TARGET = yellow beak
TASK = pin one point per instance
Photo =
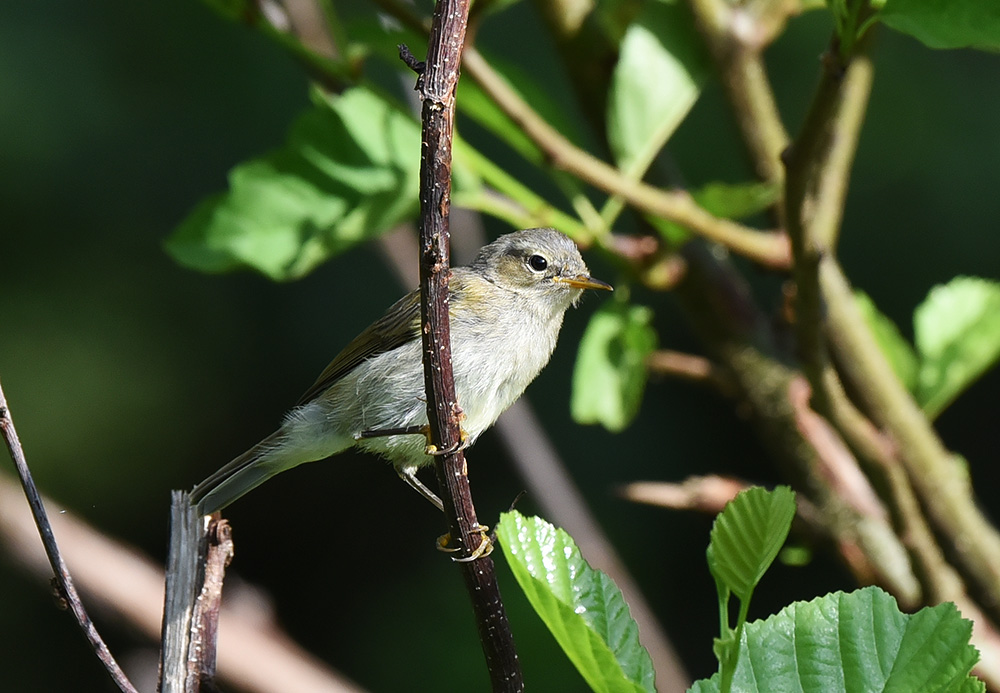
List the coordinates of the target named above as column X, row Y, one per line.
column 584, row 282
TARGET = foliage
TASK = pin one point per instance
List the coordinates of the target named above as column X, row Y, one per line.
column 957, row 335
column 582, row 607
column 610, row 373
column 348, row 172
column 859, row 641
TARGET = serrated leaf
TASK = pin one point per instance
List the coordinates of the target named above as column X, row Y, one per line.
column 957, row 335
column 582, row 607
column 348, row 172
column 855, row 642
column 661, row 67
column 946, row 23
column 897, row 350
column 747, row 536
column 610, row 373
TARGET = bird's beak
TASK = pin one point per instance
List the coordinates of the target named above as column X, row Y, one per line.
column 583, row 282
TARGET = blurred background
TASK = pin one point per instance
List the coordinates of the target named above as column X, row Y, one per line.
column 128, row 375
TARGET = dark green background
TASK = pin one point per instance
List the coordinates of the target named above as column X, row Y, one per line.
column 129, row 376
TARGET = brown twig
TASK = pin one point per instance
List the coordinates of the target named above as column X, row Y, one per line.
column 436, row 87
column 256, row 656
column 706, row 494
column 736, row 37
column 62, row 576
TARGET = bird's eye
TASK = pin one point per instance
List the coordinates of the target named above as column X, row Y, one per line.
column 538, row 263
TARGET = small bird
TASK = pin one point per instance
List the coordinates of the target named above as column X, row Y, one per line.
column 506, row 310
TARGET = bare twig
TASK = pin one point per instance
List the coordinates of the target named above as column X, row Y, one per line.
column 255, row 655
column 706, row 494
column 436, row 87
column 179, row 660
column 200, row 551
column 62, row 575
column 936, row 474
column 736, row 37
column 691, row 367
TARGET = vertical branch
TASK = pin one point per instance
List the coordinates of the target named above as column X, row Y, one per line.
column 436, row 87
column 67, row 590
column 201, row 548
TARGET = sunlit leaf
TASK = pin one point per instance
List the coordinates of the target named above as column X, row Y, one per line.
column 656, row 81
column 747, row 536
column 582, row 607
column 348, row 172
column 855, row 642
column 957, row 335
column 610, row 373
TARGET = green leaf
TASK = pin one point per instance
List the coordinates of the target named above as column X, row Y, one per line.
column 747, row 536
column 656, row 81
column 348, row 172
column 727, row 200
column 897, row 350
column 957, row 334
column 737, row 200
column 610, row 372
column 582, row 607
column 946, row 23
column 855, row 642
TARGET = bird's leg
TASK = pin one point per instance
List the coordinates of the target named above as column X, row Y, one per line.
column 485, row 547
column 401, row 431
column 410, row 477
column 423, row 430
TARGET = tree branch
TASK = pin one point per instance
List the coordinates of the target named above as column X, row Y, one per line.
column 436, row 87
column 736, row 37
column 64, row 580
column 767, row 248
column 255, row 655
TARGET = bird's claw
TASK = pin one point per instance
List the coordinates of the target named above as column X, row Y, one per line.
column 484, row 549
column 462, row 444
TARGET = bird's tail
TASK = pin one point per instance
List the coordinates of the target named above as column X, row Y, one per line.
column 249, row 470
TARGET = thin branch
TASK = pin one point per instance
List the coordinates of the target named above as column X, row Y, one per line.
column 436, row 87
column 200, row 551
column 818, row 169
column 691, row 367
column 706, row 494
column 736, row 36
column 939, row 476
column 62, row 576
column 255, row 655
column 767, row 248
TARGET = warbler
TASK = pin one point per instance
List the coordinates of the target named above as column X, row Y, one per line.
column 506, row 310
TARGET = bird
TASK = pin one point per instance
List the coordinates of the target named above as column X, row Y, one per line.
column 506, row 310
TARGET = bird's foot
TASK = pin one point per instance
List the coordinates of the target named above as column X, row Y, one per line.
column 485, row 547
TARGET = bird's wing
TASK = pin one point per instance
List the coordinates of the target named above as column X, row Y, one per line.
column 399, row 325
